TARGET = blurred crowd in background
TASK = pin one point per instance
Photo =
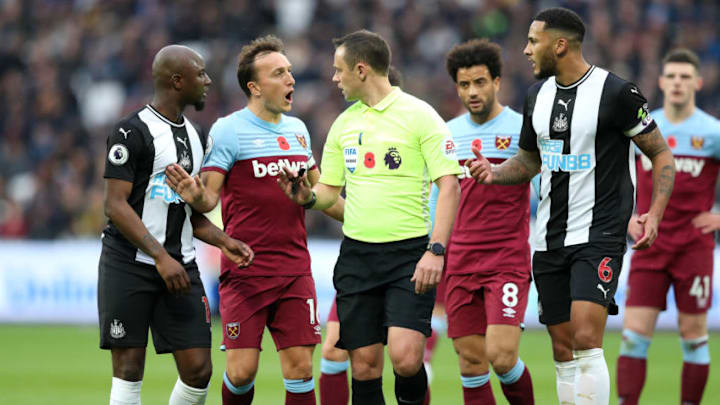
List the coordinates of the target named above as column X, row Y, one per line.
column 69, row 69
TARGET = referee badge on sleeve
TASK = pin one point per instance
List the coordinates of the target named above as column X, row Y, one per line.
column 118, row 154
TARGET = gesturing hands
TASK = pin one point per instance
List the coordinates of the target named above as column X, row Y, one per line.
column 295, row 185
column 480, row 168
column 190, row 189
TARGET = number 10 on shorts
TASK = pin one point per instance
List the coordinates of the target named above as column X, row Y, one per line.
column 313, row 311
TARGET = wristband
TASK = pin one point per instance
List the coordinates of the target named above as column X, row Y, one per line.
column 313, row 199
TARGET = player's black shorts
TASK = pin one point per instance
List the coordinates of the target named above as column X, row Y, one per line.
column 586, row 272
column 374, row 291
column 133, row 297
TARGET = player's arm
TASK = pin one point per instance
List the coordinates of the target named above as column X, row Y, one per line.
column 519, row 169
column 235, row 250
column 428, row 271
column 119, row 211
column 337, row 210
column 653, row 145
column 202, row 193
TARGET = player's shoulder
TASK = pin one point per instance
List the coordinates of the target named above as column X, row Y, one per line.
column 459, row 122
column 292, row 123
column 131, row 129
column 534, row 89
column 131, row 120
column 619, row 86
column 510, row 115
column 705, row 120
column 229, row 124
column 413, row 103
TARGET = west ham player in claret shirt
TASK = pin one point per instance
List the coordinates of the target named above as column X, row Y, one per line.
column 578, row 124
column 250, row 147
column 682, row 255
column 488, row 257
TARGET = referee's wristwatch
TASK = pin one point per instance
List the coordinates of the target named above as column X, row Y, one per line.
column 436, row 248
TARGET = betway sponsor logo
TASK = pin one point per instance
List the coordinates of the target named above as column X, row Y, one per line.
column 273, row 168
column 688, row 165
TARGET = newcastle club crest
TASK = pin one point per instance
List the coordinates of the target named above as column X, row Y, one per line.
column 560, row 124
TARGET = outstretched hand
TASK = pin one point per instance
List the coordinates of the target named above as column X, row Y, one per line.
column 480, row 168
column 295, row 185
column 188, row 187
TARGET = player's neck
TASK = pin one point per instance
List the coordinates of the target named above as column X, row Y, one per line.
column 167, row 108
column 376, row 89
column 676, row 114
column 483, row 118
column 571, row 69
column 256, row 107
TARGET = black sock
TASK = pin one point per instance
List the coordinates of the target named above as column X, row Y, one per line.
column 411, row 390
column 367, row 392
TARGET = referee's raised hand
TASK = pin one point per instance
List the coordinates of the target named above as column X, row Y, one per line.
column 480, row 168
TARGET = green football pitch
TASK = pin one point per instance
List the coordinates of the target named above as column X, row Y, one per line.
column 42, row 364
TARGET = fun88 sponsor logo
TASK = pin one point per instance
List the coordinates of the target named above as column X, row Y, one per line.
column 160, row 190
column 273, row 168
column 554, row 160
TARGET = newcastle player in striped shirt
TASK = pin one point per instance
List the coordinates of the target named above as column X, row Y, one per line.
column 577, row 126
column 148, row 276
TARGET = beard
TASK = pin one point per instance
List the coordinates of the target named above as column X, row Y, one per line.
column 483, row 112
column 199, row 105
column 547, row 67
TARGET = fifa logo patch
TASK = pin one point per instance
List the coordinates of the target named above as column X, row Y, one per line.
column 502, row 142
column 697, row 142
column 393, row 160
column 301, row 140
column 351, row 156
column 232, row 330
column 117, row 330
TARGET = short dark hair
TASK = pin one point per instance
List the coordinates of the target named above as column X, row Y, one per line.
column 395, row 76
column 248, row 53
column 473, row 53
column 365, row 46
column 563, row 19
column 682, row 55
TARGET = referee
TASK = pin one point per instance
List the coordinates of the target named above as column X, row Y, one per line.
column 385, row 149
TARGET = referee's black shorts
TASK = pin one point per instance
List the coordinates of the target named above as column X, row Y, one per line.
column 374, row 291
column 132, row 297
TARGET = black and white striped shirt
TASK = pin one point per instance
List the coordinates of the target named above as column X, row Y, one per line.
column 583, row 132
column 140, row 147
